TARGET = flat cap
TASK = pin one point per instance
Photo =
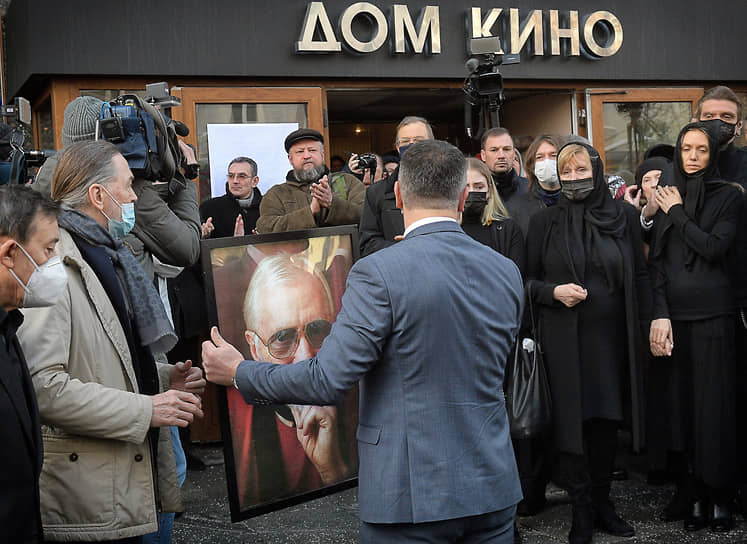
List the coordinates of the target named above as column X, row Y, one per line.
column 302, row 134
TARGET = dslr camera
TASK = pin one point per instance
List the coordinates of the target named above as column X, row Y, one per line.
column 367, row 161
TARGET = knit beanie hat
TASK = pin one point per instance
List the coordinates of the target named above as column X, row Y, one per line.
column 80, row 120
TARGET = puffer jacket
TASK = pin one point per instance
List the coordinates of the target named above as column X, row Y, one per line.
column 97, row 481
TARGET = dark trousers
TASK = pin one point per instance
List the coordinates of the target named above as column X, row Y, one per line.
column 492, row 528
column 533, row 459
column 587, row 477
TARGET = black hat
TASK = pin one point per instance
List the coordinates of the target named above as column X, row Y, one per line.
column 302, row 134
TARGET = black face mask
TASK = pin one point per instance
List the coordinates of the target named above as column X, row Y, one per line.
column 723, row 130
column 474, row 206
column 578, row 189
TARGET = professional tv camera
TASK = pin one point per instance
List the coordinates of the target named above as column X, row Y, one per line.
column 14, row 160
column 145, row 134
column 483, row 86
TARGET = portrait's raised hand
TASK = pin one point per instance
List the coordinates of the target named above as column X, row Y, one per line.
column 316, row 428
column 220, row 359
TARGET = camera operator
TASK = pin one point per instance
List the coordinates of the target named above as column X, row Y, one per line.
column 167, row 222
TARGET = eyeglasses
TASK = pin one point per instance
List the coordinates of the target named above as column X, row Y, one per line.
column 241, row 175
column 284, row 343
column 406, row 141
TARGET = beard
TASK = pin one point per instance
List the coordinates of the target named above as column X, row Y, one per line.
column 308, row 175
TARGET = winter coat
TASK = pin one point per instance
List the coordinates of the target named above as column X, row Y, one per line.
column 224, row 210
column 97, row 482
column 286, row 206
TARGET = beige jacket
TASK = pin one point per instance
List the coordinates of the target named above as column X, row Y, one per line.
column 97, row 479
column 286, row 206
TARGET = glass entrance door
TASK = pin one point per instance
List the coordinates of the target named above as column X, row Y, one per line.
column 627, row 122
column 226, row 105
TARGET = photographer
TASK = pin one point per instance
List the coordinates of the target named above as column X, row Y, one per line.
column 367, row 167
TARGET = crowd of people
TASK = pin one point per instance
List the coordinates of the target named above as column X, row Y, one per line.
column 97, row 370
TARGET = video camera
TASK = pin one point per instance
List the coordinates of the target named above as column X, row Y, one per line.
column 483, row 86
column 145, row 134
column 14, row 160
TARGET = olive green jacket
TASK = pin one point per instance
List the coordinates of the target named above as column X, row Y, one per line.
column 286, row 206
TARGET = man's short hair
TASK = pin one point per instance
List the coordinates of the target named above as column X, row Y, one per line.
column 271, row 273
column 81, row 165
column 432, row 174
column 411, row 120
column 19, row 207
column 493, row 132
column 720, row 92
column 251, row 162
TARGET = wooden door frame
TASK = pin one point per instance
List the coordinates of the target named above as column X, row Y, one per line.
column 313, row 97
column 596, row 97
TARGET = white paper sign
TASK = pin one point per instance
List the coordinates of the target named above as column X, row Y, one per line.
column 262, row 142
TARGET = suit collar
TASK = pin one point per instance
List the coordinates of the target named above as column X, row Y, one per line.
column 447, row 225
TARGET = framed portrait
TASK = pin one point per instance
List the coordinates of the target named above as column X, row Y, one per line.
column 275, row 297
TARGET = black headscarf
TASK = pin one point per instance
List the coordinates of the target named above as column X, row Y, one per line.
column 593, row 227
column 692, row 187
column 654, row 163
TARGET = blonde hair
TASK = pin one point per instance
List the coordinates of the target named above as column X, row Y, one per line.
column 569, row 152
column 495, row 209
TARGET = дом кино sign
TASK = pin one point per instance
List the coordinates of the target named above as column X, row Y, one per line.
column 596, row 35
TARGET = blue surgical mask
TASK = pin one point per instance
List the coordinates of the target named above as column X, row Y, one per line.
column 120, row 229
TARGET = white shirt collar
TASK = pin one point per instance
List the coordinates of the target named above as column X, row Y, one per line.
column 427, row 221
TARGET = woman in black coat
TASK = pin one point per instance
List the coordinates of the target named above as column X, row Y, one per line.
column 485, row 218
column 586, row 274
column 695, row 307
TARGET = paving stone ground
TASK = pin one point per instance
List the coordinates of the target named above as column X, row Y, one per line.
column 334, row 519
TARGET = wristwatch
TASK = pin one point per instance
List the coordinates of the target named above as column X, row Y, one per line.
column 234, row 382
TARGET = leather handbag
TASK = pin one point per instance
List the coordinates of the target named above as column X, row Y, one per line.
column 528, row 398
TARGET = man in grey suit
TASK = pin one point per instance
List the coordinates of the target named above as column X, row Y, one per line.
column 426, row 326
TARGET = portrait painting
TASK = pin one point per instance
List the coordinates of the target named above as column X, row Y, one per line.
column 276, row 297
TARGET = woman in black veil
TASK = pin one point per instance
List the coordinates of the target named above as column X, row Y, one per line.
column 587, row 276
column 692, row 334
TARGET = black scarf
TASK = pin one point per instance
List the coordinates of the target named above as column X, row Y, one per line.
column 507, row 183
column 692, row 188
column 153, row 326
column 593, row 228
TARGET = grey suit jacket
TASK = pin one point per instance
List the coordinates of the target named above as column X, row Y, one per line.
column 426, row 326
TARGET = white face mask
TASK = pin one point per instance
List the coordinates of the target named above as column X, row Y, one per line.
column 46, row 284
column 547, row 173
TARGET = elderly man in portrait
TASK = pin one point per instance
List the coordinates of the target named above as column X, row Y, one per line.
column 288, row 311
column 311, row 196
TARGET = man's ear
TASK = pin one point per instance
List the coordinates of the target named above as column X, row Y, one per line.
column 738, row 130
column 462, row 199
column 398, row 196
column 481, row 155
column 96, row 196
column 255, row 181
column 8, row 253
